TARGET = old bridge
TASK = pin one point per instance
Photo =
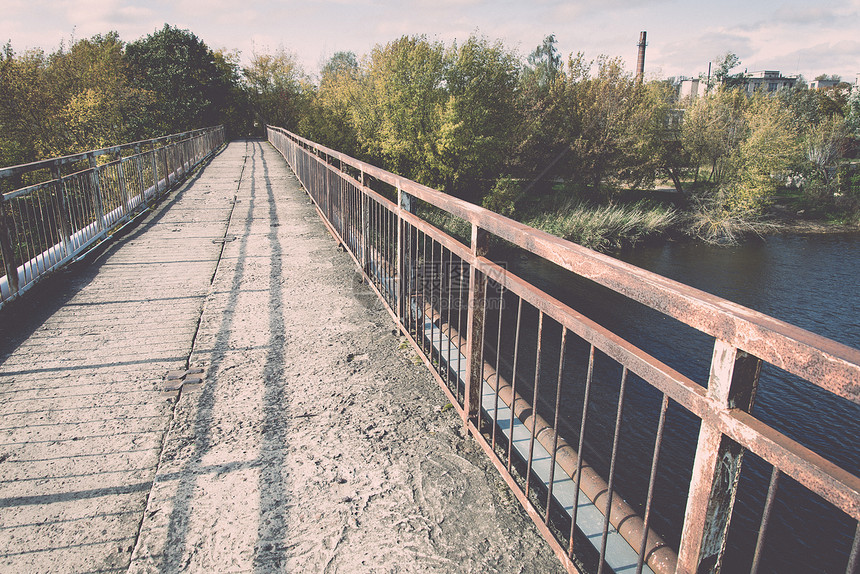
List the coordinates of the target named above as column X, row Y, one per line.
column 241, row 379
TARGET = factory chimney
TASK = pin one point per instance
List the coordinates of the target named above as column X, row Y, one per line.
column 640, row 63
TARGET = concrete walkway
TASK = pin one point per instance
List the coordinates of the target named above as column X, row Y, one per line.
column 314, row 442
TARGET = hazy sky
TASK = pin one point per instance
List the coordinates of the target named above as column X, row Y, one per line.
column 805, row 37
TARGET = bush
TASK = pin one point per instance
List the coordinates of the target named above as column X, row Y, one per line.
column 608, row 226
column 502, row 198
column 711, row 221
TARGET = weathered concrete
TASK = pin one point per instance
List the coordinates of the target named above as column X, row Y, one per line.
column 315, row 442
column 82, row 416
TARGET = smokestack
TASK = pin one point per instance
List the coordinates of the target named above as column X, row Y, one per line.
column 640, row 63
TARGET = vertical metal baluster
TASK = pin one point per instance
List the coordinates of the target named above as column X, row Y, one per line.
column 854, row 557
column 483, row 361
column 153, row 157
column 417, row 288
column 658, row 441
column 534, row 401
column 461, row 341
column 555, row 422
column 610, row 486
column 62, row 211
column 54, row 233
column 393, row 293
column 20, row 231
column 82, row 212
column 443, row 276
column 498, row 359
column 514, row 385
column 36, row 238
column 585, row 401
column 41, row 239
column 438, row 283
column 765, row 519
column 424, row 268
column 448, row 368
column 436, row 277
column 164, row 159
column 23, row 223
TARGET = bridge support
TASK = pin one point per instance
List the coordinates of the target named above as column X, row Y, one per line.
column 475, row 328
column 717, row 467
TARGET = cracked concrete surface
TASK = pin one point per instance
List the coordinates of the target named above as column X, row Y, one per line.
column 314, row 443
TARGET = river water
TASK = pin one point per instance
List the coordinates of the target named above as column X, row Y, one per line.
column 809, row 281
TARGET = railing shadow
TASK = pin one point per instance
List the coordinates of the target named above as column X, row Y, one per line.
column 20, row 318
column 272, row 515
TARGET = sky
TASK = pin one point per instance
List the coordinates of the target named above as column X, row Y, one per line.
column 683, row 36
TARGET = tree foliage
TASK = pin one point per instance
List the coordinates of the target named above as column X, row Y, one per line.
column 277, row 87
column 182, row 76
column 474, row 119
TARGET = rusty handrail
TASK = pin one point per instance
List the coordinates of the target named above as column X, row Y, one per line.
column 744, row 340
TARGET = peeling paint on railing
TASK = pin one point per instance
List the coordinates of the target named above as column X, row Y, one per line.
column 447, row 298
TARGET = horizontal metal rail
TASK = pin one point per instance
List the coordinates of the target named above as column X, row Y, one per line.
column 80, row 199
column 524, row 371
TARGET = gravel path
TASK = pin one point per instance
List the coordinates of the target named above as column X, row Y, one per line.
column 314, row 443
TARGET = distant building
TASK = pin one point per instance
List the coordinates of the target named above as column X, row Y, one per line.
column 692, row 88
column 768, row 81
column 821, row 84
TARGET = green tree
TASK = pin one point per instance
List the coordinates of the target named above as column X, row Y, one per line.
column 234, row 101
column 28, row 107
column 188, row 90
column 605, row 106
column 330, row 114
column 544, row 64
column 714, row 126
column 73, row 100
column 278, row 88
column 100, row 107
column 479, row 118
column 396, row 111
column 722, row 74
column 852, row 113
column 654, row 135
column 764, row 156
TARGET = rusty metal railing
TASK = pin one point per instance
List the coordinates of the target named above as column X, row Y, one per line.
column 544, row 389
column 57, row 209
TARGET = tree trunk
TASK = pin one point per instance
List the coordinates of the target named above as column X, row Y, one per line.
column 675, row 180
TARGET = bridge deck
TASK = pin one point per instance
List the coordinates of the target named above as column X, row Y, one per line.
column 314, row 442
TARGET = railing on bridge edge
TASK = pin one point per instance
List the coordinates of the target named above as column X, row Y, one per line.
column 45, row 225
column 393, row 247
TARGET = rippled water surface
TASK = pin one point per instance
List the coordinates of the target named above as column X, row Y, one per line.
column 810, row 281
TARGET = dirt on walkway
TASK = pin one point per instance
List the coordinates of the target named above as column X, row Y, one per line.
column 317, row 441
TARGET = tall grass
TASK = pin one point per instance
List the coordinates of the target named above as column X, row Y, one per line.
column 605, row 227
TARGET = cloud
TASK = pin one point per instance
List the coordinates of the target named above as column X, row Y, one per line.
column 807, row 15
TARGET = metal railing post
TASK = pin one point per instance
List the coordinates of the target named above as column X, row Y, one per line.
column 327, row 196
column 717, row 466
column 154, row 159
column 65, row 225
column 97, row 191
column 123, row 188
column 475, row 328
column 139, row 167
column 164, row 152
column 365, row 227
column 403, row 271
column 7, row 237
